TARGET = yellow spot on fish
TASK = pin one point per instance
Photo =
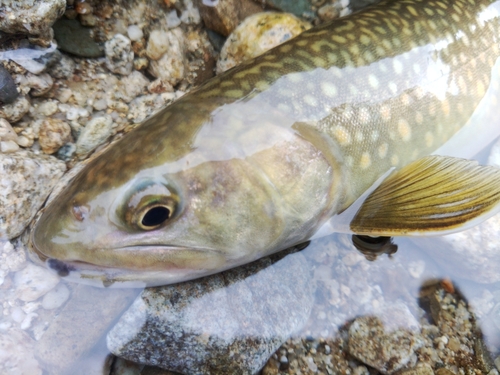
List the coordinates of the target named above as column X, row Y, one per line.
column 365, row 160
column 429, row 139
column 382, row 150
column 364, row 116
column 302, row 43
column 359, row 136
column 385, row 112
column 286, row 48
column 339, row 39
column 365, row 39
column 234, row 93
column 419, row 118
column 342, row 135
column 412, row 10
column 394, row 160
column 404, row 130
column 329, row 89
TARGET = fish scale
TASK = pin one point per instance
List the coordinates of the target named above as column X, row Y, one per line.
column 260, row 157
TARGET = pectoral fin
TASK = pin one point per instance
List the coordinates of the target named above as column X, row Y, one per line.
column 433, row 195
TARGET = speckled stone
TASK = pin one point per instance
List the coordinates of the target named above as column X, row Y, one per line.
column 8, row 89
column 54, row 133
column 170, row 67
column 256, row 35
column 95, row 132
column 25, row 182
column 119, row 55
column 31, row 17
column 16, row 110
column 229, row 323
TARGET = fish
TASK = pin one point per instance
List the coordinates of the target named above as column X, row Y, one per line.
column 349, row 115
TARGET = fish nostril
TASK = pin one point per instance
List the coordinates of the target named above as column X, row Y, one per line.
column 80, row 212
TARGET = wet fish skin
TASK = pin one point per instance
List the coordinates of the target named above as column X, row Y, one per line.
column 256, row 159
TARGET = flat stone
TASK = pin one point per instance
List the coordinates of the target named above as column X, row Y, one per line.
column 227, row 323
column 25, row 182
column 95, row 132
column 73, row 38
column 8, row 88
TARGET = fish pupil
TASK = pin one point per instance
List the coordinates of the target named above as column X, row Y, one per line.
column 155, row 216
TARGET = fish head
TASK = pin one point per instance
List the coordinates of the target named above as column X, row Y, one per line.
column 183, row 216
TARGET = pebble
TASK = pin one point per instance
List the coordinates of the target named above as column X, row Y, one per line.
column 8, row 146
column 170, row 67
column 6, row 131
column 135, row 33
column 119, row 55
column 63, row 69
column 8, row 88
column 33, row 282
column 56, row 297
column 73, row 38
column 16, row 356
column 47, row 108
column 16, row 110
column 95, row 132
column 54, row 133
column 32, row 18
column 132, row 86
column 40, row 84
column 25, row 182
column 257, row 34
column 385, row 350
column 34, row 60
column 191, row 327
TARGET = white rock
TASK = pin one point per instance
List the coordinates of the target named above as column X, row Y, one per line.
column 15, row 111
column 95, row 132
column 134, row 33
column 33, row 281
column 16, row 354
column 170, row 66
column 56, row 297
column 8, row 146
column 6, row 131
column 119, row 55
column 158, row 44
column 132, row 86
column 47, row 108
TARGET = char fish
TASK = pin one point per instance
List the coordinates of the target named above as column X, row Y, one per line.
column 259, row 158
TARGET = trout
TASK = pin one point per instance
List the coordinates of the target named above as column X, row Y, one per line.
column 259, row 158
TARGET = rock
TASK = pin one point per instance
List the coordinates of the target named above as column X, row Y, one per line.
column 132, row 86
column 63, row 346
column 8, row 146
column 34, row 60
column 33, row 282
column 6, row 131
column 16, row 356
column 95, row 132
column 420, row 369
column 54, row 133
column 374, row 345
column 135, row 33
column 73, row 38
column 256, row 35
column 223, row 16
column 227, row 323
column 40, row 84
column 31, row 17
column 16, row 110
column 8, row 88
column 25, row 182
column 170, row 66
column 328, row 12
column 56, row 297
column 63, row 69
column 119, row 55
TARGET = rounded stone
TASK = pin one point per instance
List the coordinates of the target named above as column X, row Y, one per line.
column 119, row 55
column 54, row 133
column 257, row 34
column 15, row 111
column 93, row 134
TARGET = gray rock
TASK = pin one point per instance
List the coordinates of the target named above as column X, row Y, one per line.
column 373, row 344
column 119, row 55
column 25, row 182
column 73, row 38
column 31, row 17
column 229, row 323
column 8, row 89
column 93, row 134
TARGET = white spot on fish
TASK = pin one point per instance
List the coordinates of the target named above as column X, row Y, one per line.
column 310, row 100
column 373, row 80
column 398, row 66
column 329, row 89
column 404, row 130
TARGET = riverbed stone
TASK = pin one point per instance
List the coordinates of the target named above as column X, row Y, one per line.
column 26, row 180
column 223, row 324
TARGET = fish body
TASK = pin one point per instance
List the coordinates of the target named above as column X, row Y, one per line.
column 258, row 158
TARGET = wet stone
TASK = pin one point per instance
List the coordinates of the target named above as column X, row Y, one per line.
column 73, row 38
column 8, row 89
column 301, row 8
column 95, row 132
column 16, row 110
column 223, row 324
column 169, row 67
column 33, row 58
column 119, row 55
column 54, row 133
column 256, row 35
column 6, row 131
column 25, row 182
column 374, row 345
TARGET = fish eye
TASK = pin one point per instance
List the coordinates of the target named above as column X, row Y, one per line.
column 154, row 216
column 149, row 206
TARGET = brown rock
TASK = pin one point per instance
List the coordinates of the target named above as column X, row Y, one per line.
column 227, row 14
column 54, row 134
